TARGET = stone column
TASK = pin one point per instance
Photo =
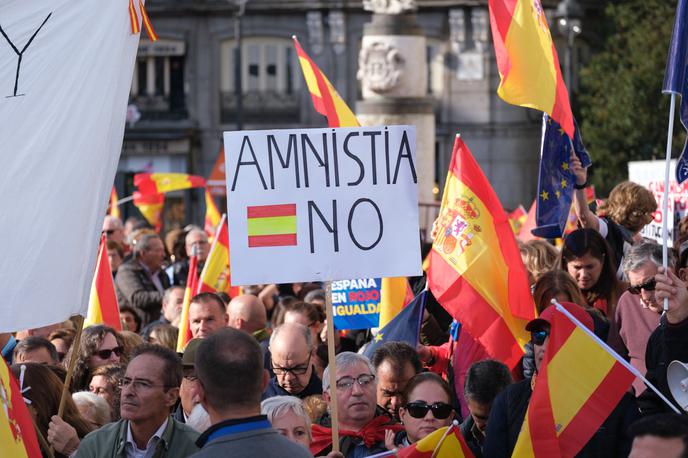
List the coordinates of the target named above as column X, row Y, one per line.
column 393, row 74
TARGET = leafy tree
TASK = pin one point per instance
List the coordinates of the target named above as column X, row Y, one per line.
column 624, row 114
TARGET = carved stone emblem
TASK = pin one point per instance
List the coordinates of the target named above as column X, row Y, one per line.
column 380, row 66
column 389, row 6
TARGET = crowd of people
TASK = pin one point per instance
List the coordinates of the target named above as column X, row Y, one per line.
column 254, row 379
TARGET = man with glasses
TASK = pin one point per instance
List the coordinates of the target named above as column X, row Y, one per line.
column 113, row 229
column 362, row 424
column 149, row 389
column 179, row 271
column 291, row 352
column 638, row 311
column 188, row 397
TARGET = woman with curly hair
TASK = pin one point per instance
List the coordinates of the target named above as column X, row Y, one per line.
column 105, row 383
column 100, row 345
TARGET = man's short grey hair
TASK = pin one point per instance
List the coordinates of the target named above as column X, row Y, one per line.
column 343, row 360
column 168, row 293
column 305, row 332
column 144, row 243
column 114, row 220
column 642, row 253
column 98, row 406
column 195, row 230
column 277, row 406
column 315, row 295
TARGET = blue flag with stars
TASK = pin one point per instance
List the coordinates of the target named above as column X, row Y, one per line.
column 405, row 327
column 675, row 77
column 556, row 179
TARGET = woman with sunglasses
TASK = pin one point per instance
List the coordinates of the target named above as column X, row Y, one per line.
column 100, row 345
column 427, row 407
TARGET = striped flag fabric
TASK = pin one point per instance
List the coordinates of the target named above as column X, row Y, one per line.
column 212, row 216
column 271, row 225
column 395, row 294
column 215, row 276
column 159, row 183
column 102, row 304
column 150, row 206
column 326, row 100
column 191, row 290
column 446, row 442
column 475, row 271
column 579, row 384
column 527, row 60
column 113, row 208
column 17, row 433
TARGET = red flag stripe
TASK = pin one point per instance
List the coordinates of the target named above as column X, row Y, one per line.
column 265, row 211
column 271, row 240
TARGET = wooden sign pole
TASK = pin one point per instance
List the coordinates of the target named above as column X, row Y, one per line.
column 334, row 411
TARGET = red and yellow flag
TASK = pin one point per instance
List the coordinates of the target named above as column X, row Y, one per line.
column 517, row 218
column 215, row 277
column 217, row 179
column 395, row 294
column 150, row 206
column 525, row 233
column 17, row 434
column 102, row 305
column 326, row 100
column 191, row 290
column 113, row 208
column 159, row 183
column 476, row 271
column 212, row 216
column 271, row 225
column 527, row 60
column 439, row 444
column 578, row 386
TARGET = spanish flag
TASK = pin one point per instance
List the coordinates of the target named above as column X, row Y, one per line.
column 102, row 305
column 191, row 290
column 159, row 183
column 527, row 60
column 476, row 271
column 17, row 434
column 326, row 100
column 215, row 277
column 446, row 442
column 271, row 225
column 579, row 384
column 150, row 206
column 113, row 209
column 212, row 215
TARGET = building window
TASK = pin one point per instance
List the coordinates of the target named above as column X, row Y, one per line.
column 270, row 82
column 435, row 60
column 157, row 87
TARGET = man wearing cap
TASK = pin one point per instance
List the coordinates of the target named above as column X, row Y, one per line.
column 510, row 406
column 188, row 397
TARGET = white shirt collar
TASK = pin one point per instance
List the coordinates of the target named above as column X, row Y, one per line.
column 134, row 451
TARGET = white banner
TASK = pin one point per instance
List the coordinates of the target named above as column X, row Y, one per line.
column 322, row 204
column 65, row 73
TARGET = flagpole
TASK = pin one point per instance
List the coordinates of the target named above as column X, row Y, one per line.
column 334, row 411
column 665, row 197
column 606, row 347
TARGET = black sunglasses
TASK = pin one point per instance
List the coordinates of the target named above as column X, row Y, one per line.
column 105, row 354
column 539, row 337
column 440, row 410
column 108, row 231
column 647, row 286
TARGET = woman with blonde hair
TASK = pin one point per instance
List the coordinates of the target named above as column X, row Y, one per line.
column 539, row 256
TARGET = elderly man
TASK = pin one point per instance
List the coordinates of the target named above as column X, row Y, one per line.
column 362, row 424
column 229, row 366
column 150, row 387
column 187, row 390
column 638, row 311
column 395, row 364
column 172, row 301
column 247, row 313
column 140, row 282
column 206, row 315
column 291, row 351
column 179, row 271
column 113, row 229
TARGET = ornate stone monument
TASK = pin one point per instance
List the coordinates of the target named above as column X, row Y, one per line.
column 392, row 69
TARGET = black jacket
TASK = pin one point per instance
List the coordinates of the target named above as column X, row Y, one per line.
column 136, row 289
column 274, row 389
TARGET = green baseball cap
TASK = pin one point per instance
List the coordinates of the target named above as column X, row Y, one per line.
column 190, row 352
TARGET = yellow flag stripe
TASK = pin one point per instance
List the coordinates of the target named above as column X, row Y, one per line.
column 272, row 225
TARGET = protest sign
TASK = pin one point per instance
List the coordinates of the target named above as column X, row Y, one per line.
column 356, row 303
column 322, row 204
column 65, row 75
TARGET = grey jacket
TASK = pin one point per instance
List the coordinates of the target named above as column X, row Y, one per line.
column 177, row 441
column 263, row 443
column 135, row 288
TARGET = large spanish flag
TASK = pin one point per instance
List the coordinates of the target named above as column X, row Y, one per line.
column 191, row 290
column 579, row 384
column 326, row 100
column 212, row 215
column 475, row 271
column 17, row 434
column 102, row 305
column 215, row 277
column 446, row 442
column 527, row 60
column 150, row 206
column 159, row 183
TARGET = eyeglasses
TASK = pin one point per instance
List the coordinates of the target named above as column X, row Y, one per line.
column 440, row 410
column 363, row 380
column 647, row 286
column 299, row 369
column 105, row 354
column 108, row 231
column 539, row 337
column 137, row 384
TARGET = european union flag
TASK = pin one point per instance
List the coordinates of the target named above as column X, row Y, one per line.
column 675, row 77
column 556, row 179
column 405, row 327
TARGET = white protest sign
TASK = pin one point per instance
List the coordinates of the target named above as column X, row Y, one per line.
column 322, row 204
column 65, row 74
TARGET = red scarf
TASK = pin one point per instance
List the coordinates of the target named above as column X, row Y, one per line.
column 372, row 433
